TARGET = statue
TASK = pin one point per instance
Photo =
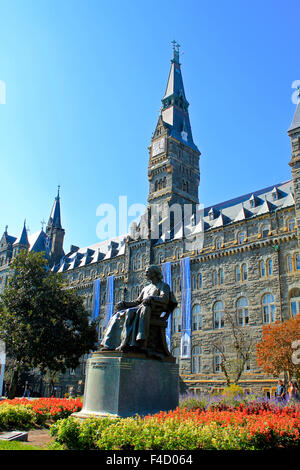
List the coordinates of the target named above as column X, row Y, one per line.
column 129, row 327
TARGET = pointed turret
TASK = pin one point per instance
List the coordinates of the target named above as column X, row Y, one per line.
column 294, row 133
column 21, row 242
column 55, row 232
column 173, row 169
column 175, row 105
column 55, row 219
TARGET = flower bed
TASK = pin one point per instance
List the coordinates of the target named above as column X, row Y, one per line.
column 238, row 428
column 23, row 413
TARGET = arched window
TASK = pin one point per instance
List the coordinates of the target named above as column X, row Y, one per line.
column 160, row 258
column 196, row 318
column 262, row 268
column 270, row 267
column 291, row 224
column 295, row 306
column 242, row 312
column 265, row 230
column 196, row 360
column 219, row 243
column 238, row 275
column 221, row 276
column 297, row 261
column 218, row 315
column 156, row 186
column 290, row 263
column 268, row 308
column 217, row 362
column 194, row 282
column 241, row 237
column 199, row 281
column 244, row 270
column 215, row 278
column 176, row 320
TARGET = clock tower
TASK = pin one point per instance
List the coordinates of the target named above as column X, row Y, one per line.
column 173, row 169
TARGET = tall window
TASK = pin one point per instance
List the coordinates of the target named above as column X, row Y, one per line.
column 215, row 278
column 242, row 312
column 244, row 270
column 218, row 315
column 196, row 360
column 238, row 276
column 196, row 317
column 176, row 320
column 297, row 261
column 290, row 263
column 291, row 224
column 219, row 242
column 241, row 237
column 268, row 308
column 217, row 362
column 262, row 268
column 270, row 267
column 221, row 276
column 265, row 230
column 199, row 281
column 295, row 306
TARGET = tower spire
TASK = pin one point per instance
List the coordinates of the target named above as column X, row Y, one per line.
column 175, row 105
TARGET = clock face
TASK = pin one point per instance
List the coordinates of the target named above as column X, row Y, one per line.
column 158, row 146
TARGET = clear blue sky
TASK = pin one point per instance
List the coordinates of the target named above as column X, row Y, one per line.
column 84, row 80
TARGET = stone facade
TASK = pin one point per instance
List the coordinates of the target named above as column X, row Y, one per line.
column 248, row 266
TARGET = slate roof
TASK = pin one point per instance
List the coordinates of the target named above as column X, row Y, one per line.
column 296, row 120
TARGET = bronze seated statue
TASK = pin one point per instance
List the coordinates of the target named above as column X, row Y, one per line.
column 138, row 326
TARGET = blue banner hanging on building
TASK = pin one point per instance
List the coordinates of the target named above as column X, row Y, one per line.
column 166, row 271
column 185, row 273
column 109, row 299
column 96, row 299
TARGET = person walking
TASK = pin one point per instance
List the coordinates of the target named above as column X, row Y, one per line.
column 26, row 392
column 281, row 391
column 293, row 390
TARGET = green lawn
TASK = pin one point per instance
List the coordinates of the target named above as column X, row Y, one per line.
column 16, row 445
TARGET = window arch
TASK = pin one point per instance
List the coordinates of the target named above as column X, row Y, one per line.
column 270, row 267
column 196, row 360
column 219, row 243
column 241, row 237
column 262, row 269
column 244, row 272
column 196, row 317
column 199, row 281
column 218, row 315
column 268, row 305
column 290, row 264
column 295, row 306
column 291, row 224
column 238, row 274
column 176, row 320
column 242, row 311
column 265, row 230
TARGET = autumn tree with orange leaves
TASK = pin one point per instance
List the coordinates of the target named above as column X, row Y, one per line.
column 279, row 349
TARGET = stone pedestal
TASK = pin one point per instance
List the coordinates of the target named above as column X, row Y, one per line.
column 122, row 385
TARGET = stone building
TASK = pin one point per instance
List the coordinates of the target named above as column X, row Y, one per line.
column 245, row 267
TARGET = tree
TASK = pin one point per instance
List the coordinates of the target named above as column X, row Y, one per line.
column 234, row 358
column 275, row 352
column 43, row 324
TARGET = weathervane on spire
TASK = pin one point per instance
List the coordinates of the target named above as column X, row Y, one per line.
column 176, row 47
column 43, row 223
